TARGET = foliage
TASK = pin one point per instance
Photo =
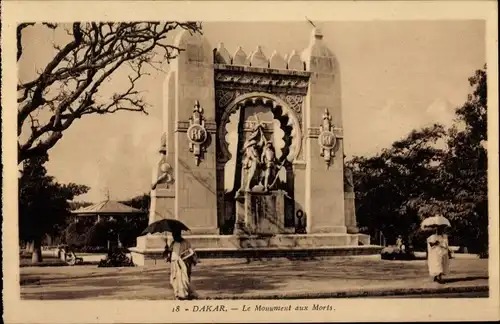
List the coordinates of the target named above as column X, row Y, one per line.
column 141, row 202
column 465, row 166
column 387, row 182
column 416, row 178
column 395, row 253
column 89, row 235
column 74, row 205
column 75, row 234
column 70, row 85
column 43, row 203
column 116, row 259
column 132, row 229
column 98, row 234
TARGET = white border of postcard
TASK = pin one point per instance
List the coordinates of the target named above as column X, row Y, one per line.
column 18, row 311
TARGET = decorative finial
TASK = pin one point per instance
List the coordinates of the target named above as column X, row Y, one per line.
column 197, row 107
column 326, row 115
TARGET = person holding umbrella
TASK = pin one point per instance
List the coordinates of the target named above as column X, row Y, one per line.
column 181, row 256
column 437, row 246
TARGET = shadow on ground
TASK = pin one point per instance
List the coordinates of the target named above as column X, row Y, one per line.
column 459, row 279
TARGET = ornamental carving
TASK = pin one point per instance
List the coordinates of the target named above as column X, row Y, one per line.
column 262, row 82
column 327, row 139
column 295, row 103
column 224, row 97
column 197, row 133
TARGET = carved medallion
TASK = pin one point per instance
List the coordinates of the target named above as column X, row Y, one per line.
column 327, row 139
column 197, row 133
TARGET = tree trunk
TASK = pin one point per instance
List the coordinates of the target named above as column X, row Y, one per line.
column 36, row 256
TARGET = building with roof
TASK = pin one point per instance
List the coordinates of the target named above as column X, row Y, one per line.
column 106, row 210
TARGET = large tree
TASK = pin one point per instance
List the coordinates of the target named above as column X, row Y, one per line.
column 68, row 87
column 43, row 204
column 464, row 170
column 415, row 178
column 387, row 183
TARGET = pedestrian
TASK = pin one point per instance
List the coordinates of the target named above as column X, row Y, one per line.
column 182, row 258
column 437, row 254
column 400, row 244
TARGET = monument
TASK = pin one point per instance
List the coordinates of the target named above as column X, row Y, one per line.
column 251, row 156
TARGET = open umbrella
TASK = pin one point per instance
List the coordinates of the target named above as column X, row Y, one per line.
column 165, row 225
column 434, row 222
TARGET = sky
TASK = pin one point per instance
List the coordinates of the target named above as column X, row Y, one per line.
column 395, row 76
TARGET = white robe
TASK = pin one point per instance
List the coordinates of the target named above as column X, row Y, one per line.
column 180, row 271
column 437, row 256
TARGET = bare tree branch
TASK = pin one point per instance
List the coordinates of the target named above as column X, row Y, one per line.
column 68, row 87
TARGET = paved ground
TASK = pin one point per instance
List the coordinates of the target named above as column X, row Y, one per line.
column 276, row 278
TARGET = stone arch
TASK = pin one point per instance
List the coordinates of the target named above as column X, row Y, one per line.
column 280, row 110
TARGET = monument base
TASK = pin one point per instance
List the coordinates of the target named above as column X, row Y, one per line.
column 150, row 247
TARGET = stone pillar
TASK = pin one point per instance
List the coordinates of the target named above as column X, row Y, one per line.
column 350, row 213
column 163, row 195
column 244, row 215
column 195, row 178
column 324, row 174
column 162, row 204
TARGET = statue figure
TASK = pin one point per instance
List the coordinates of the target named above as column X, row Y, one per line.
column 250, row 163
column 348, row 180
column 251, row 156
column 164, row 176
column 269, row 162
column 164, row 169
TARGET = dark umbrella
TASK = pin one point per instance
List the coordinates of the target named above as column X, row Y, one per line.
column 165, row 225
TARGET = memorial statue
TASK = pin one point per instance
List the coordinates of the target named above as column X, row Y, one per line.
column 165, row 175
column 250, row 161
column 268, row 160
column 348, row 180
column 164, row 169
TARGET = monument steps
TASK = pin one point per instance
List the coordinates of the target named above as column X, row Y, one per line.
column 151, row 247
column 152, row 255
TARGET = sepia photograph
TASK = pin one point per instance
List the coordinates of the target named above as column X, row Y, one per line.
column 193, row 160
